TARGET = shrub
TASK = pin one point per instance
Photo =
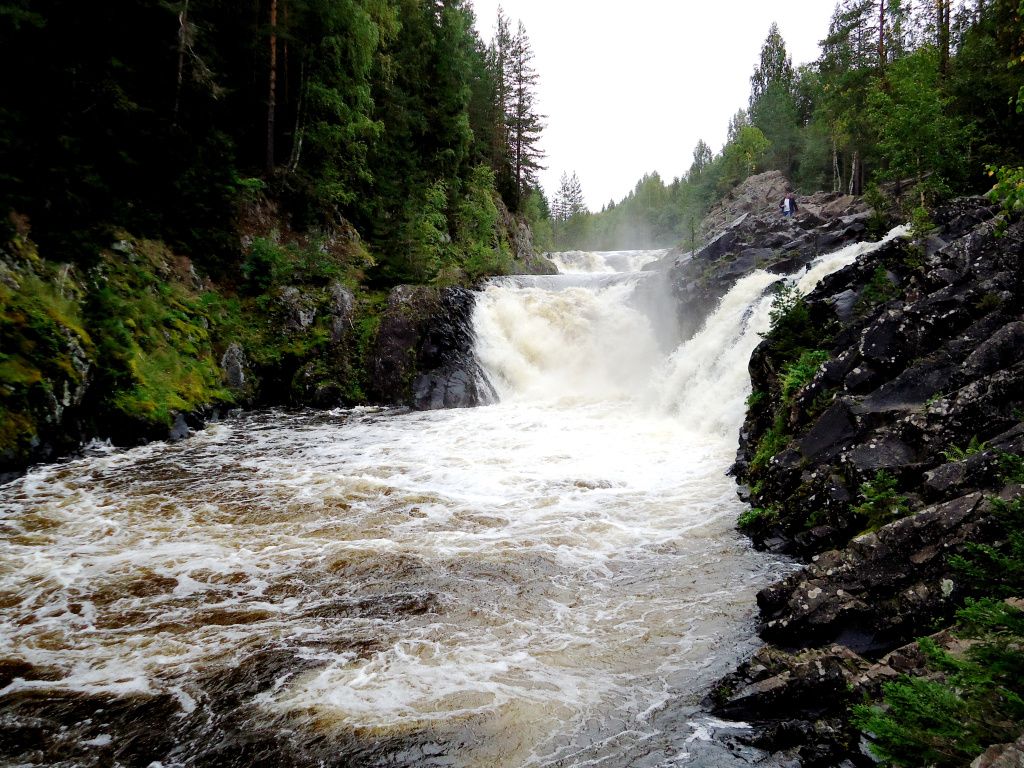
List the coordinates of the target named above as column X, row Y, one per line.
column 798, row 374
column 966, row 704
column 954, row 453
column 879, row 290
column 881, row 503
column 772, row 442
column 266, row 264
column 997, row 569
column 756, row 517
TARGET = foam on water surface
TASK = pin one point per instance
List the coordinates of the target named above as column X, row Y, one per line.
column 537, row 582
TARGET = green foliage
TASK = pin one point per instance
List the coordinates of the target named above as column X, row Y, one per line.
column 788, row 308
column 921, row 224
column 796, row 375
column 1008, row 190
column 478, row 248
column 1011, row 468
column 43, row 346
column 791, row 331
column 152, row 338
column 998, row 568
column 772, row 442
column 917, row 133
column 758, row 517
column 881, row 503
column 878, row 224
column 955, row 453
column 742, row 156
column 265, row 264
column 974, row 700
column 755, row 398
column 878, row 290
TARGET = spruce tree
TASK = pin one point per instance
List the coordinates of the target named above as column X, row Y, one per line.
column 524, row 123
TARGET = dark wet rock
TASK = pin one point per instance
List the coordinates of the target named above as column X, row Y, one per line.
column 924, row 389
column 913, row 374
column 299, row 310
column 798, row 703
column 341, row 310
column 234, row 366
column 180, row 428
column 424, row 351
column 747, row 232
column 883, row 589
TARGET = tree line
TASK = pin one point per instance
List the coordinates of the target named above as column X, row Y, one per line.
column 163, row 116
column 919, row 96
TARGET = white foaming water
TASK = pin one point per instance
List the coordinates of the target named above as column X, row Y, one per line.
column 603, row 262
column 531, row 583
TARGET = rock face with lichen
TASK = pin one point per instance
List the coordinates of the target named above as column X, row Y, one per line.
column 746, row 232
column 883, row 406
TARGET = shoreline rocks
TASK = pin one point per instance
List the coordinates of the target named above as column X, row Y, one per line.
column 876, row 471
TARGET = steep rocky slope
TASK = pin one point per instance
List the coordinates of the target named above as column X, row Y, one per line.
column 882, row 446
column 137, row 346
column 746, row 232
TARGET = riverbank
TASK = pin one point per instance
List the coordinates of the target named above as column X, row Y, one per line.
column 138, row 345
column 883, row 447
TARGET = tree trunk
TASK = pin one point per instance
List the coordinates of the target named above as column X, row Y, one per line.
column 837, row 181
column 920, row 181
column 182, row 43
column 293, row 161
column 942, row 33
column 881, row 35
column 272, row 95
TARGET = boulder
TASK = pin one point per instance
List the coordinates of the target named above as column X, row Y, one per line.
column 423, row 356
column 883, row 589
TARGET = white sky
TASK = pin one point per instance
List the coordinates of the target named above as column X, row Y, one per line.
column 629, row 86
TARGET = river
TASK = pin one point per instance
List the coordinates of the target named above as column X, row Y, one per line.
column 553, row 580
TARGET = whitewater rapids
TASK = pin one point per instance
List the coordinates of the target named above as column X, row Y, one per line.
column 552, row 580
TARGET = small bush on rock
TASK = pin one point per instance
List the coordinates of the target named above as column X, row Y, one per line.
column 798, row 374
column 882, row 504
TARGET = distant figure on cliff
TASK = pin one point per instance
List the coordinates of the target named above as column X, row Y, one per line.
column 788, row 205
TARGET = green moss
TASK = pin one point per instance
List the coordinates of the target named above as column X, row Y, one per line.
column 41, row 334
column 758, row 517
column 155, row 350
column 798, row 374
column 772, row 442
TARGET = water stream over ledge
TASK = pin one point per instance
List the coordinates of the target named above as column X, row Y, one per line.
column 549, row 581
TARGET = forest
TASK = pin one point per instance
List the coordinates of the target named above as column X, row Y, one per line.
column 917, row 99
column 163, row 118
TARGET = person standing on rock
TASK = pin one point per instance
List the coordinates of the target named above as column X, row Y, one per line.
column 788, row 205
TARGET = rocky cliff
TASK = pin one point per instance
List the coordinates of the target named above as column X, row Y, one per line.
column 883, row 447
column 746, row 232
column 137, row 346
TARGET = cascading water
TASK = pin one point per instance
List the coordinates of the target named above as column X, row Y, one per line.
column 551, row 580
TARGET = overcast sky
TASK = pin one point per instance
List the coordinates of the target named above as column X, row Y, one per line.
column 629, row 86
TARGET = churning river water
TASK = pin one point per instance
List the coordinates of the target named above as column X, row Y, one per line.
column 552, row 580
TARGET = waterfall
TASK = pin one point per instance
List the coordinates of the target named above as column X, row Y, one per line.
column 585, row 336
column 550, row 580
